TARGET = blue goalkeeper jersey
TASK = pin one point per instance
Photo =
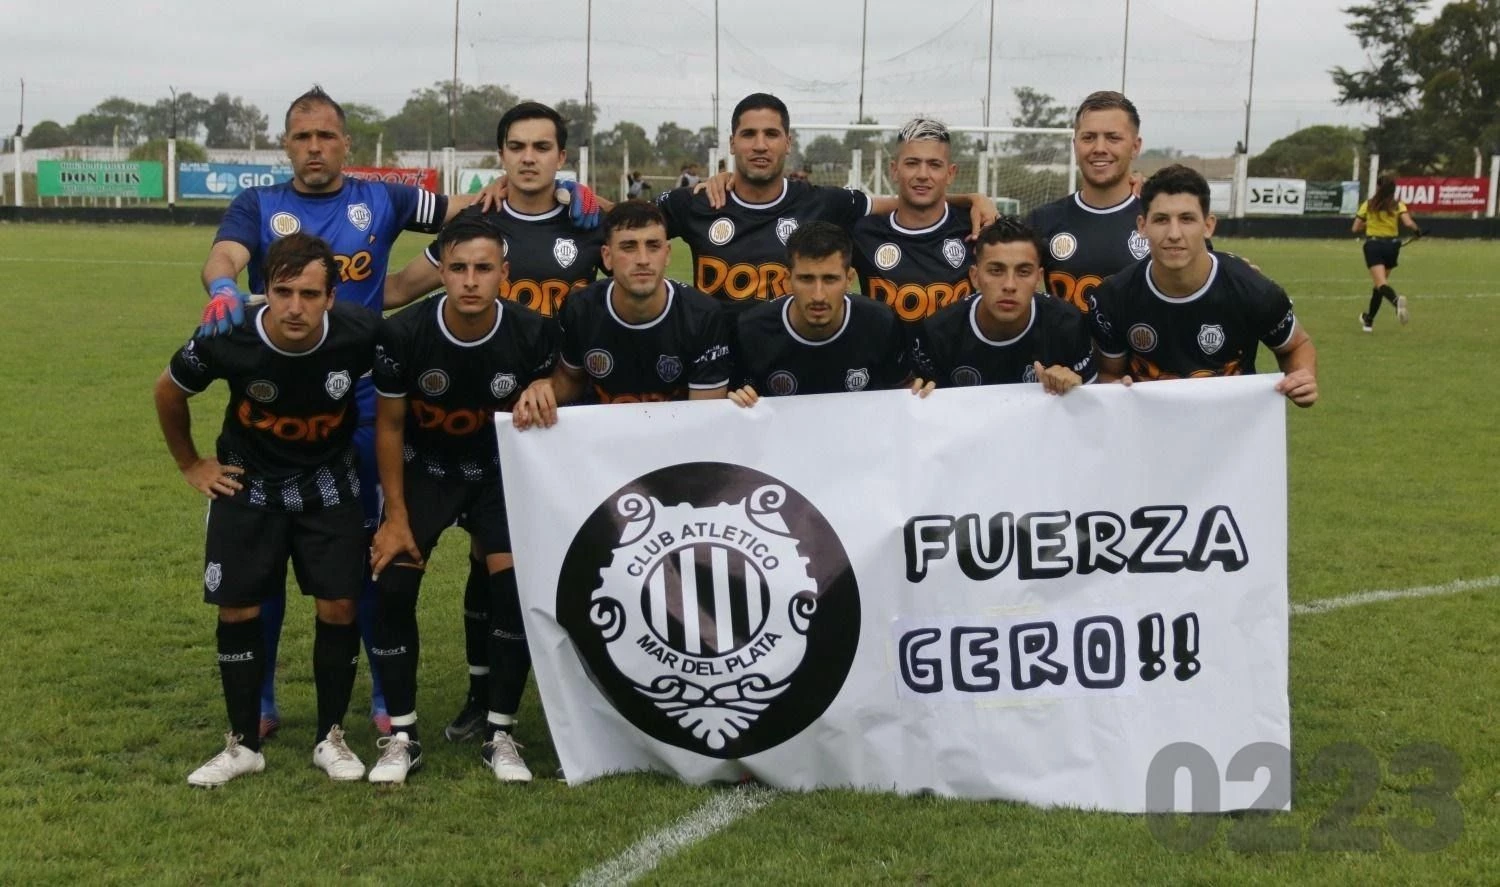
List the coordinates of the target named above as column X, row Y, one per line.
column 360, row 221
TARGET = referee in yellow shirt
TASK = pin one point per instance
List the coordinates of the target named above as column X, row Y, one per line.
column 1377, row 219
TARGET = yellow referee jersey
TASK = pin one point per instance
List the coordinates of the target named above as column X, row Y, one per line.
column 1382, row 224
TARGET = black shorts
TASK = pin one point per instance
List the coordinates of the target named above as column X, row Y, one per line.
column 434, row 504
column 247, row 549
column 1382, row 251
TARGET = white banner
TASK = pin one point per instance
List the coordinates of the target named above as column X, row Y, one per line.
column 1282, row 197
column 990, row 593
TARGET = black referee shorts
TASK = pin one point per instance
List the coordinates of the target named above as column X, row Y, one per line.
column 433, row 504
column 1382, row 251
column 247, row 548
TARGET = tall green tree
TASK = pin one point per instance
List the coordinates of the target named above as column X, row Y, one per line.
column 1036, row 109
column 232, row 122
column 48, row 134
column 1319, row 153
column 113, row 115
column 1434, row 86
column 581, row 122
column 423, row 121
column 364, row 124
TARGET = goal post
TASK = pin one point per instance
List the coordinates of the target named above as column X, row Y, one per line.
column 1021, row 168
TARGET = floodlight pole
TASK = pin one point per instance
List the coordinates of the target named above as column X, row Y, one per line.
column 453, row 86
column 1250, row 93
column 989, row 77
column 718, row 133
column 864, row 30
column 1125, row 47
column 588, row 94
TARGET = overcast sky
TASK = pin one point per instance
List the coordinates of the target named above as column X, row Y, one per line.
column 1187, row 66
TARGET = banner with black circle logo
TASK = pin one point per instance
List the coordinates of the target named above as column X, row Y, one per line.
column 988, row 593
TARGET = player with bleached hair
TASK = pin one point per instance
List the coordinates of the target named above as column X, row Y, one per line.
column 915, row 258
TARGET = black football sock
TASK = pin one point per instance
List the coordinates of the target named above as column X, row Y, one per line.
column 477, row 629
column 335, row 660
column 1374, row 305
column 1389, row 293
column 397, row 645
column 242, row 659
column 510, row 658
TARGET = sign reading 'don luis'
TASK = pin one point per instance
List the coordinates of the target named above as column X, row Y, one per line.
column 93, row 178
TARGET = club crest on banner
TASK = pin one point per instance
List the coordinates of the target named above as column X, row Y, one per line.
column 784, row 228
column 359, row 216
column 955, row 252
column 502, row 385
column 1211, row 338
column 564, row 251
column 721, row 231
column 856, row 379
column 714, row 606
column 338, row 384
column 669, row 367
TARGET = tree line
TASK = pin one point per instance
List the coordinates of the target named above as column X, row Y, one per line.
column 1434, row 86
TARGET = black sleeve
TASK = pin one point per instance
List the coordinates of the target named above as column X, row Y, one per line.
column 1077, row 345
column 897, row 363
column 1102, row 311
column 674, row 206
column 1270, row 313
column 923, row 363
column 711, row 366
column 390, row 361
column 193, row 367
column 569, row 348
column 844, row 206
column 545, row 347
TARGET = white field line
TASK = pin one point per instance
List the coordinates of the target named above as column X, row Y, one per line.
column 726, row 807
column 647, row 853
column 1360, row 598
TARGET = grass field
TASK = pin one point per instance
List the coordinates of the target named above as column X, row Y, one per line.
column 110, row 692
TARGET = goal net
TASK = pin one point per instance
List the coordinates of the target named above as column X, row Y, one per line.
column 1020, row 168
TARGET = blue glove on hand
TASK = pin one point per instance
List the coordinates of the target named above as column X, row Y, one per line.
column 582, row 203
column 225, row 309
